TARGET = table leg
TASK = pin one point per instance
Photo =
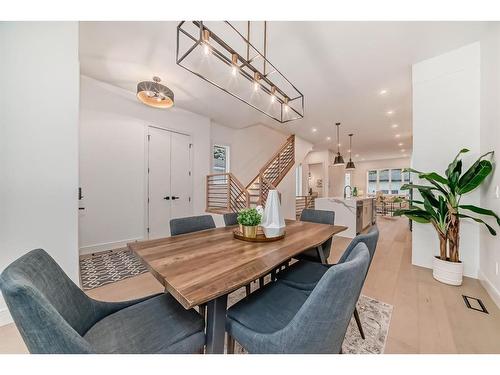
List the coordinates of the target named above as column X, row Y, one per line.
column 216, row 325
column 321, row 254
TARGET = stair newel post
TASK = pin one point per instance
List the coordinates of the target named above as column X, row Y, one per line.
column 228, row 191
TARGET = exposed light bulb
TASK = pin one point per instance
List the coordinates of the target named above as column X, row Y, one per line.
column 206, row 49
column 394, row 126
column 314, row 130
column 382, row 92
column 286, row 107
column 255, row 86
column 397, row 135
column 273, row 98
column 235, row 70
column 328, row 138
column 390, row 112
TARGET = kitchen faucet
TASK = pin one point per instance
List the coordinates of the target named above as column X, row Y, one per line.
column 350, row 188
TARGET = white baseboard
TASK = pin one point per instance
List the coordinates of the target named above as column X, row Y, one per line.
column 84, row 250
column 5, row 317
column 490, row 288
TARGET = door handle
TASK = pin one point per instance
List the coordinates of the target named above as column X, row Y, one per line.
column 174, row 198
column 167, row 198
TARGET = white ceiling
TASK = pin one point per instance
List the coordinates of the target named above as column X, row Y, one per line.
column 340, row 67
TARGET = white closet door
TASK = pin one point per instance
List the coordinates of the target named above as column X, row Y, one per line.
column 159, row 182
column 181, row 185
column 169, row 180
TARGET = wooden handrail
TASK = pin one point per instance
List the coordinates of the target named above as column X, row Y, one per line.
column 236, row 195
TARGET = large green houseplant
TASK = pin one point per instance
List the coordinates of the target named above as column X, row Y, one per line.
column 441, row 206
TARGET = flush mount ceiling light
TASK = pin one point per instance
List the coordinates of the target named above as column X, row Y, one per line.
column 218, row 53
column 154, row 94
column 339, row 160
column 350, row 164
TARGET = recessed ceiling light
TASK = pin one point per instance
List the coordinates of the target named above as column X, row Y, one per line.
column 314, row 130
column 338, row 144
column 400, row 143
column 382, row 92
column 389, row 113
column 328, row 138
column 398, row 135
column 394, row 126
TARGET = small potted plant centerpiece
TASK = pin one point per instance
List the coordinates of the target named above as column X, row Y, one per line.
column 249, row 220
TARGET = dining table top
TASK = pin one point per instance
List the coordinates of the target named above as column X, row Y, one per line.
column 201, row 266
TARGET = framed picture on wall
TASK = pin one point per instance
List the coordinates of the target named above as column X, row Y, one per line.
column 319, row 183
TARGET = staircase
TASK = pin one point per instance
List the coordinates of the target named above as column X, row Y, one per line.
column 225, row 193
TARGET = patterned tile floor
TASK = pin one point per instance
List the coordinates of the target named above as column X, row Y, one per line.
column 109, row 266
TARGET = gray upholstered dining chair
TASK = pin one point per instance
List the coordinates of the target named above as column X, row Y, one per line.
column 191, row 224
column 55, row 316
column 305, row 275
column 230, row 219
column 322, row 217
column 282, row 319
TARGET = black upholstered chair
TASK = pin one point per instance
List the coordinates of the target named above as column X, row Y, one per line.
column 230, row 219
column 305, row 274
column 54, row 315
column 279, row 318
column 191, row 224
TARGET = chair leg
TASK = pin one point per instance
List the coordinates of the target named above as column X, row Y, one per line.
column 273, row 275
column 203, row 310
column 261, row 282
column 358, row 322
column 248, row 290
column 230, row 344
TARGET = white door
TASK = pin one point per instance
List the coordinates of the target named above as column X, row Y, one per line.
column 180, row 170
column 169, row 179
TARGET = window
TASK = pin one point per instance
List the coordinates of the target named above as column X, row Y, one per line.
column 372, row 182
column 387, row 181
column 220, row 159
column 298, row 180
column 347, row 180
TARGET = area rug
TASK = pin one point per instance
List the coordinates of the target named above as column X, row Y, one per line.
column 108, row 267
column 375, row 318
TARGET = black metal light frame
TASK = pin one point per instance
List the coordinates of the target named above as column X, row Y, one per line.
column 245, row 62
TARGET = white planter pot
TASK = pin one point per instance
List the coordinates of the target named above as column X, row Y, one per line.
column 450, row 273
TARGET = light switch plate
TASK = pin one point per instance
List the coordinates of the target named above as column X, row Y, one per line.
column 497, row 192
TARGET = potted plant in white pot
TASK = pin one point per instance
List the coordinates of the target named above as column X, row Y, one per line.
column 249, row 220
column 440, row 206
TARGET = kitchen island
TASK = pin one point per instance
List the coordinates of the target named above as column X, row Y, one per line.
column 356, row 213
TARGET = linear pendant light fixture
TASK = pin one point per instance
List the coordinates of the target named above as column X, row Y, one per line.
column 339, row 160
column 218, row 53
column 350, row 164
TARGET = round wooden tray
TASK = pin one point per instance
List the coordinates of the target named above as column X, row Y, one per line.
column 260, row 236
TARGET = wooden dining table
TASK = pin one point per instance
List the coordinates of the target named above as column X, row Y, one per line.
column 204, row 267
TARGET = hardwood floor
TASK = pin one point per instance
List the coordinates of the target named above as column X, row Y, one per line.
column 428, row 317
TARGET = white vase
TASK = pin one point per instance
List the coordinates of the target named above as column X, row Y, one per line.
column 450, row 273
column 273, row 222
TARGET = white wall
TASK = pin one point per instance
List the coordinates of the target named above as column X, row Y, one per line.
column 113, row 161
column 489, row 260
column 39, row 143
column 446, row 119
column 251, row 148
